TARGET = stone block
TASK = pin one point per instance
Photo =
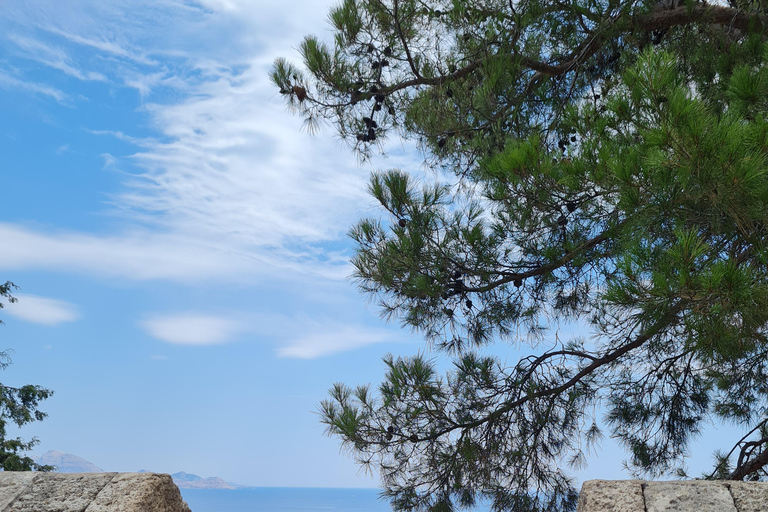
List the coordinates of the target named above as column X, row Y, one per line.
column 89, row 492
column 687, row 496
column 60, row 492
column 12, row 484
column 139, row 492
column 749, row 496
column 611, row 496
column 673, row 496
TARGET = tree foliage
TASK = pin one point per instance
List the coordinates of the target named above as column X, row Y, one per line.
column 611, row 160
column 18, row 406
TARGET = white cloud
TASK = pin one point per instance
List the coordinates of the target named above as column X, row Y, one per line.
column 109, row 47
column 192, row 329
column 335, row 340
column 304, row 337
column 136, row 141
column 239, row 167
column 296, row 336
column 151, row 255
column 42, row 310
column 10, row 82
column 144, row 83
column 109, row 160
column 54, row 57
column 229, row 189
column 230, row 186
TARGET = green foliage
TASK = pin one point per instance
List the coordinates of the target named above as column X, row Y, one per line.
column 611, row 162
column 18, row 406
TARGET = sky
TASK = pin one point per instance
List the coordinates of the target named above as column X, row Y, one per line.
column 180, row 244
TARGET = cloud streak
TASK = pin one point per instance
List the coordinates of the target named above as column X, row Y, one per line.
column 108, row 47
column 147, row 255
column 333, row 339
column 53, row 57
column 192, row 329
column 42, row 310
column 238, row 167
column 296, row 337
column 10, row 82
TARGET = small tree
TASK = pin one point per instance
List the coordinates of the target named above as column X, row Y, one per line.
column 19, row 406
column 611, row 170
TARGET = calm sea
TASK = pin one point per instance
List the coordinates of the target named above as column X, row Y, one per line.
column 284, row 499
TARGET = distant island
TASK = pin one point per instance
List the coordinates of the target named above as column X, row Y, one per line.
column 188, row 481
column 68, row 463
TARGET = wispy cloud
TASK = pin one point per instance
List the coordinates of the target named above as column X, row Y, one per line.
column 136, row 141
column 302, row 336
column 334, row 338
column 238, row 165
column 229, row 184
column 109, row 47
column 295, row 336
column 42, row 310
column 10, row 82
column 192, row 329
column 151, row 255
column 54, row 57
column 109, row 161
column 145, row 83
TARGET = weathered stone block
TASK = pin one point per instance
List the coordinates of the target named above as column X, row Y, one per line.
column 688, row 496
column 674, row 496
column 89, row 492
column 749, row 496
column 611, row 496
column 139, row 492
column 60, row 492
column 12, row 484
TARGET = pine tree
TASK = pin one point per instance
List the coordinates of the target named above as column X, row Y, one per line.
column 18, row 406
column 611, row 164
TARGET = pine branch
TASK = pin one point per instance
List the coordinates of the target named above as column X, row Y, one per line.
column 750, row 466
column 596, row 364
column 617, row 27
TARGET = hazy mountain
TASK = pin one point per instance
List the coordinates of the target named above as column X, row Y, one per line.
column 186, row 477
column 187, row 481
column 67, row 463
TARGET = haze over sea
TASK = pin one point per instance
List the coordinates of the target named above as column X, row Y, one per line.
column 284, row 499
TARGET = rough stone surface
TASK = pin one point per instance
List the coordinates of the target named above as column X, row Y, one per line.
column 675, row 496
column 12, row 484
column 134, row 492
column 60, row 492
column 688, row 496
column 89, row 492
column 611, row 496
column 749, row 496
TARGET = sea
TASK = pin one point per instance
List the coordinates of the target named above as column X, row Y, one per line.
column 284, row 499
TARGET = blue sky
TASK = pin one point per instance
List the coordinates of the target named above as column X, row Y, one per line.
column 180, row 244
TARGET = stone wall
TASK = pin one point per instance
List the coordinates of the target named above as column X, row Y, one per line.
column 675, row 496
column 89, row 492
